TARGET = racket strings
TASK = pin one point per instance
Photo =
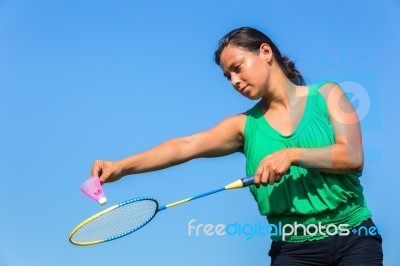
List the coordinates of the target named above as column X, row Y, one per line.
column 117, row 222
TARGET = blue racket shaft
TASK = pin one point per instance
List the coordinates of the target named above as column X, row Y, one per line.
column 240, row 183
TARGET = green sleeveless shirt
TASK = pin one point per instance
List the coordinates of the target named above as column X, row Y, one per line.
column 303, row 196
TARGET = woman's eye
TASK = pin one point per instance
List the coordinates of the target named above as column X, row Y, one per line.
column 237, row 68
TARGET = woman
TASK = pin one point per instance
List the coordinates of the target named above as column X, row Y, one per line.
column 303, row 146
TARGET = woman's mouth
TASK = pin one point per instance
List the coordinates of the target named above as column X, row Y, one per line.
column 242, row 90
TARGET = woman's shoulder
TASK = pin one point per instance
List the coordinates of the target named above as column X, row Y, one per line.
column 235, row 121
column 254, row 111
column 324, row 87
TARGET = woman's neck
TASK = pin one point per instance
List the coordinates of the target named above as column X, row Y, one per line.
column 280, row 93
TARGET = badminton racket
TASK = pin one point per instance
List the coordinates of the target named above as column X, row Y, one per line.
column 129, row 216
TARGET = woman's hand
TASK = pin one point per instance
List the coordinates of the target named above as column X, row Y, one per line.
column 273, row 167
column 107, row 171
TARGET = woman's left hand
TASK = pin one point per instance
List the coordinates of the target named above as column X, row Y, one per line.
column 273, row 167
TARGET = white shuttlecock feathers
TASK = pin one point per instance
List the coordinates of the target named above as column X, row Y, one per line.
column 92, row 188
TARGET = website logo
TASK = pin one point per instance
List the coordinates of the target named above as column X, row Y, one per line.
column 283, row 230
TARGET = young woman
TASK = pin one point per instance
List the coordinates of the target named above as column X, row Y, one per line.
column 303, row 146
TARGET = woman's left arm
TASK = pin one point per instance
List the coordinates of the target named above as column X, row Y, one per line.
column 346, row 155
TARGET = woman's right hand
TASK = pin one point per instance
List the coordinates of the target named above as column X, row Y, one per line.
column 107, row 171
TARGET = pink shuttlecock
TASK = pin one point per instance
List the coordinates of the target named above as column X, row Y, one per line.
column 92, row 188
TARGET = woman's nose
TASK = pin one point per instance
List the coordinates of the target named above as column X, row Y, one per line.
column 235, row 81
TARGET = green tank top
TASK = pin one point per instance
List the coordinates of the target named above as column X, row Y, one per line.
column 303, row 196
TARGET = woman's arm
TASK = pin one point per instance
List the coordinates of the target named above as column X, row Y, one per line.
column 346, row 155
column 225, row 138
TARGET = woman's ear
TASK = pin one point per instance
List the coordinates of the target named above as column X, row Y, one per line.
column 266, row 52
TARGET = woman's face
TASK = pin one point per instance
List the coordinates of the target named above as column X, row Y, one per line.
column 248, row 71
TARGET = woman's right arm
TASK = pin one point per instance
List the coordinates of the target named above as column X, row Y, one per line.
column 223, row 139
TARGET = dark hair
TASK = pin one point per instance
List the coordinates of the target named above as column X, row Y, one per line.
column 251, row 40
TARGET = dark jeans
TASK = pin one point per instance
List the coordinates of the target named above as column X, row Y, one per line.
column 353, row 250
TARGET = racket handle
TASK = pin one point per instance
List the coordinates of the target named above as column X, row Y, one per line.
column 248, row 181
column 243, row 182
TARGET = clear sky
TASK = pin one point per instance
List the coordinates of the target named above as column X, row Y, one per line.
column 86, row 80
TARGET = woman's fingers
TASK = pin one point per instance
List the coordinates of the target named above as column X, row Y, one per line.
column 97, row 168
column 257, row 176
column 103, row 170
column 271, row 169
column 265, row 177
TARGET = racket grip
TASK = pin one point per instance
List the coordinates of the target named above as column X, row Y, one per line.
column 247, row 181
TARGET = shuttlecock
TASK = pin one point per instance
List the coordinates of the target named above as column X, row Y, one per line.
column 92, row 188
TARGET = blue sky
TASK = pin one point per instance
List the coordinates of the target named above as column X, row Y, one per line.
column 86, row 80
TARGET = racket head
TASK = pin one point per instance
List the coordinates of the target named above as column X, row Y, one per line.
column 114, row 222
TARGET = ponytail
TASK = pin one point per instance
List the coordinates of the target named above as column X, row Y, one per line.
column 291, row 71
